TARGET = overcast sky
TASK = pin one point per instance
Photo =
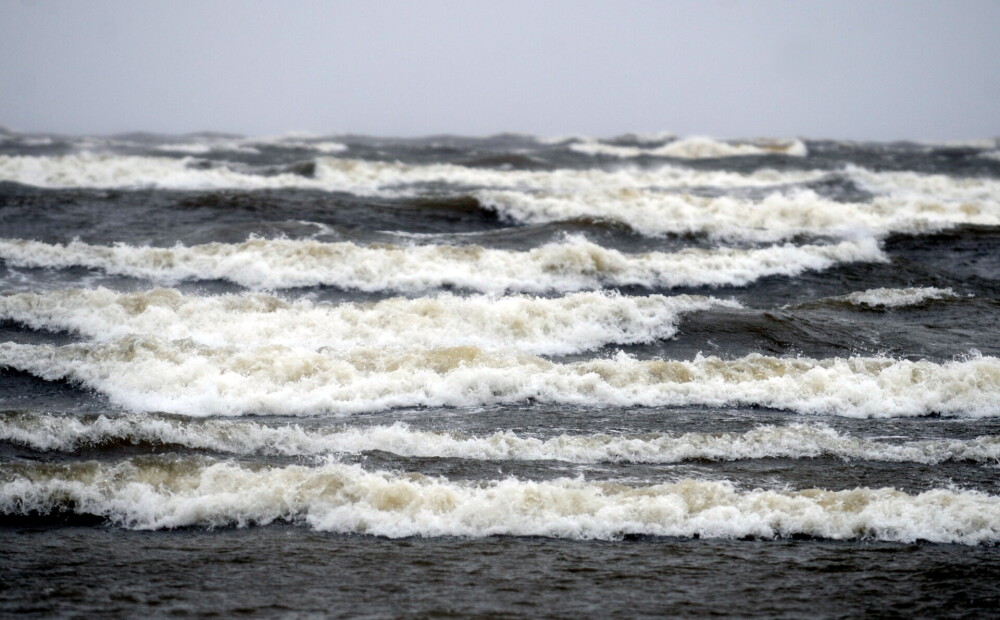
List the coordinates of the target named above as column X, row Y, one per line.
column 871, row 69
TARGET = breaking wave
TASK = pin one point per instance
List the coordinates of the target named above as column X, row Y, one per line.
column 151, row 374
column 169, row 493
column 569, row 265
column 47, row 432
column 359, row 176
column 249, row 145
column 570, row 324
column 776, row 216
column 695, row 147
column 897, row 297
column 977, row 192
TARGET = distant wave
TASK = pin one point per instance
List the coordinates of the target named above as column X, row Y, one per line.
column 249, row 145
column 897, row 298
column 364, row 177
column 695, row 147
column 357, row 176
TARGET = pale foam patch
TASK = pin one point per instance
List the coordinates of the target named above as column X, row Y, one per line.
column 570, row 265
column 290, row 142
column 345, row 498
column 974, row 143
column 569, row 324
column 87, row 169
column 897, row 297
column 203, row 146
column 696, row 147
column 193, row 148
column 976, row 194
column 776, row 216
column 994, row 155
column 913, row 203
column 118, row 171
column 359, row 176
column 47, row 432
column 23, row 140
column 149, row 374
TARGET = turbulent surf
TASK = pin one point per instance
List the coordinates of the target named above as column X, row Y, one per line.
column 631, row 338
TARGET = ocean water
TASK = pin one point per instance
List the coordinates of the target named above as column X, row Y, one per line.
column 349, row 376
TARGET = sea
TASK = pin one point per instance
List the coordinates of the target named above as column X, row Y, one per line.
column 510, row 376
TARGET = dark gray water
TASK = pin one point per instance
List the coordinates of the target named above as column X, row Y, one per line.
column 351, row 376
column 296, row 571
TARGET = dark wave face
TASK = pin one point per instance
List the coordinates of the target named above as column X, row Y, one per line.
column 587, row 361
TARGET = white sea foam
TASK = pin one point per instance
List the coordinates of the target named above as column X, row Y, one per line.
column 248, row 145
column 696, row 147
column 360, row 177
column 319, row 146
column 897, row 297
column 346, row 498
column 905, row 201
column 47, row 432
column 569, row 324
column 197, row 148
column 777, row 216
column 206, row 144
column 25, row 140
column 373, row 178
column 151, row 374
column 203, row 148
column 570, row 265
column 978, row 193
column 973, row 143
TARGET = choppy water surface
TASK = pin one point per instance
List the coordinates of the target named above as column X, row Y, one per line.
column 461, row 376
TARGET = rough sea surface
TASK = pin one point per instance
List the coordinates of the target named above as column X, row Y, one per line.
column 348, row 376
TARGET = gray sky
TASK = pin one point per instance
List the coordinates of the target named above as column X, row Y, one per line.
column 874, row 69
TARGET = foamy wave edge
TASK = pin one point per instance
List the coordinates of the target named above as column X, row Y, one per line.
column 363, row 177
column 570, row 265
column 149, row 374
column 360, row 177
column 569, row 324
column 776, row 216
column 63, row 433
column 695, row 147
column 345, row 498
column 897, row 297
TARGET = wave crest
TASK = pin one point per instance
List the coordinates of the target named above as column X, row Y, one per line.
column 150, row 374
column 46, row 432
column 159, row 494
column 570, row 324
column 570, row 265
